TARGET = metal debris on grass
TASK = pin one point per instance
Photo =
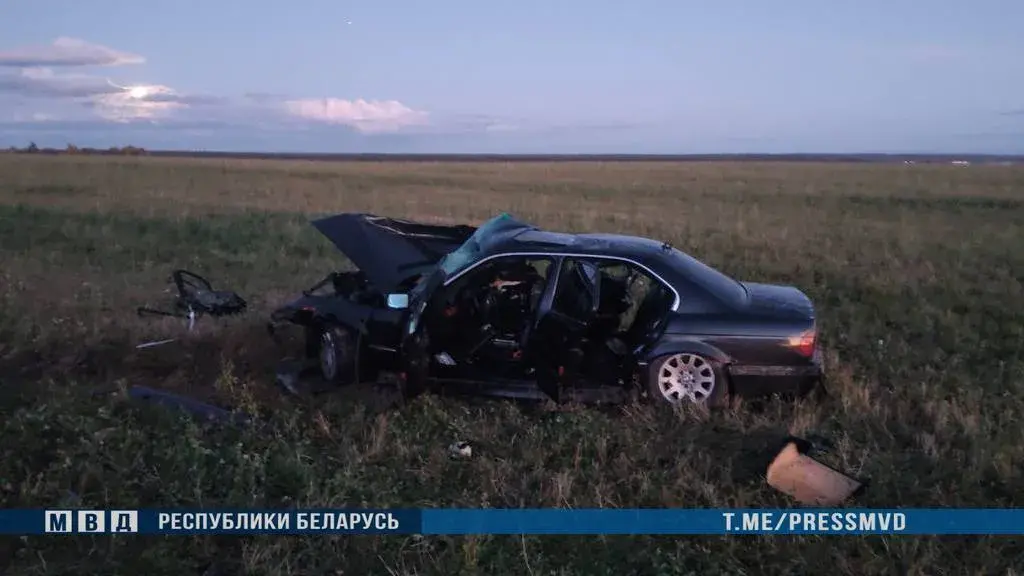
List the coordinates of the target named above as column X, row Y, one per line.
column 155, row 343
column 195, row 298
column 190, row 405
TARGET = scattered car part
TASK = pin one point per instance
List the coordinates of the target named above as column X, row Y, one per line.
column 808, row 481
column 155, row 343
column 195, row 298
column 460, row 450
column 288, row 374
column 192, row 406
column 510, row 307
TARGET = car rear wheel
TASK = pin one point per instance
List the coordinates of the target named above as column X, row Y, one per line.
column 336, row 354
column 686, row 378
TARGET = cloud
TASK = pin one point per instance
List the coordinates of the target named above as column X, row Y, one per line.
column 137, row 103
column 67, row 52
column 42, row 82
column 264, row 97
column 455, row 123
column 44, row 77
column 108, row 100
column 39, row 118
column 365, row 116
column 992, row 135
column 150, row 102
column 1019, row 112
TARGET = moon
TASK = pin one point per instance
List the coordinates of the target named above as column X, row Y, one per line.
column 136, row 92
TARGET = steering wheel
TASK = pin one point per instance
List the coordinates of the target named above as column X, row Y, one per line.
column 482, row 300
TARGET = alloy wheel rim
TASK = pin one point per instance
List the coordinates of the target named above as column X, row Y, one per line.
column 328, row 362
column 686, row 377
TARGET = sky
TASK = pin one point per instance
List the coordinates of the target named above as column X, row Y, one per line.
column 555, row 76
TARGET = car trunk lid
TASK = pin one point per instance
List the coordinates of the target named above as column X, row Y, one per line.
column 773, row 300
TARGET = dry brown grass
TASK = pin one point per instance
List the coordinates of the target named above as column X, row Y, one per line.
column 916, row 270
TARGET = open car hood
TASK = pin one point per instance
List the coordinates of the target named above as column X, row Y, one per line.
column 388, row 250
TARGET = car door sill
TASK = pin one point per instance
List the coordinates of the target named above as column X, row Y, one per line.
column 525, row 390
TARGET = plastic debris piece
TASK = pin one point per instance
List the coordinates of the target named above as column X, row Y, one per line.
column 460, row 450
column 808, row 481
column 190, row 405
column 155, row 343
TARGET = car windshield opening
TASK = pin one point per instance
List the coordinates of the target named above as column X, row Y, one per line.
column 470, row 251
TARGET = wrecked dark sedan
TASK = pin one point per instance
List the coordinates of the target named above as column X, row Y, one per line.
column 508, row 309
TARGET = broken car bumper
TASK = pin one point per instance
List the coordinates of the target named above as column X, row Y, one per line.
column 755, row 380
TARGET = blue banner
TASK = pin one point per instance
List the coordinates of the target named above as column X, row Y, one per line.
column 220, row 521
column 515, row 521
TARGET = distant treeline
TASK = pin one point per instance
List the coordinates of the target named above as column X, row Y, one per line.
column 386, row 157
column 390, row 157
column 72, row 149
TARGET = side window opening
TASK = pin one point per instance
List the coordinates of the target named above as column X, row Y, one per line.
column 615, row 297
column 577, row 292
column 491, row 306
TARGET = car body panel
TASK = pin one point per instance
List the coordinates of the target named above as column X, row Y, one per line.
column 390, row 251
column 777, row 301
column 763, row 379
column 313, row 308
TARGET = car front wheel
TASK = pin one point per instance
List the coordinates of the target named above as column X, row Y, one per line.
column 336, row 354
column 686, row 378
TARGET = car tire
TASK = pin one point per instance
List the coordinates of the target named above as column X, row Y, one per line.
column 312, row 336
column 335, row 353
column 686, row 378
column 417, row 365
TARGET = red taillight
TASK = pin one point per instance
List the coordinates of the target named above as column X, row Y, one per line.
column 803, row 343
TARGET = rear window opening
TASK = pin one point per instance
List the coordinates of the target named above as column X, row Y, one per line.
column 715, row 282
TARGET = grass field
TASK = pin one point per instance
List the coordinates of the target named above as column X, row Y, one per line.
column 917, row 272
